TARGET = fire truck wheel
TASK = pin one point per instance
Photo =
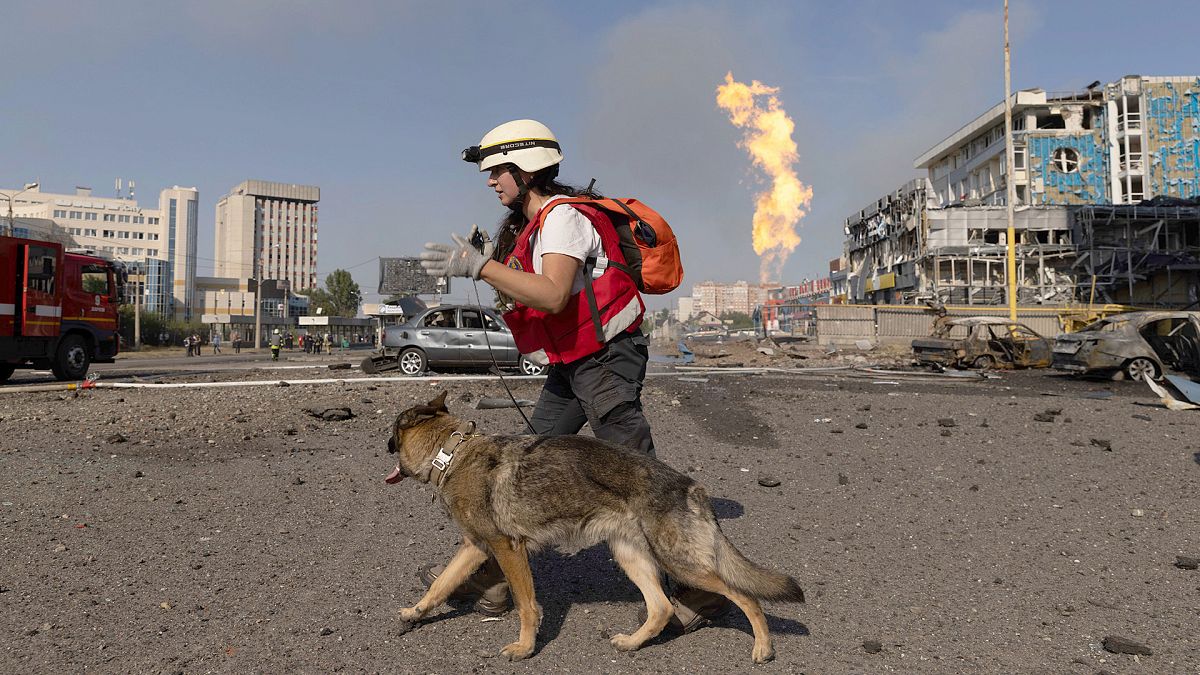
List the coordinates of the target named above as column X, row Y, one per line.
column 73, row 359
column 6, row 371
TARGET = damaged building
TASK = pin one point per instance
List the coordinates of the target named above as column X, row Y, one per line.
column 1107, row 185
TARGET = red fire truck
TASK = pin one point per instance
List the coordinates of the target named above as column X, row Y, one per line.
column 58, row 309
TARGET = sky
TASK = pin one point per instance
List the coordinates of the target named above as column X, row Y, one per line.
column 373, row 101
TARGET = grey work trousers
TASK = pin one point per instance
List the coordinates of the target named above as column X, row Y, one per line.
column 603, row 390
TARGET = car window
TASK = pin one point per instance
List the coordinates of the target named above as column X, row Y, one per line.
column 470, row 319
column 443, row 318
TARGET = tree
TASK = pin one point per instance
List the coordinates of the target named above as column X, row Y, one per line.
column 737, row 320
column 343, row 296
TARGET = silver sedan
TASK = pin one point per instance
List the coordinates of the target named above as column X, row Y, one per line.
column 454, row 336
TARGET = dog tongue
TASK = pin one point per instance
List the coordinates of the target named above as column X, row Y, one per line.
column 394, row 476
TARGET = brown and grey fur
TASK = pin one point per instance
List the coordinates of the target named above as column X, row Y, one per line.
column 515, row 494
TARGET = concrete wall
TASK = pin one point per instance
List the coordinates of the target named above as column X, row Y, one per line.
column 898, row 325
column 1172, row 137
column 1087, row 185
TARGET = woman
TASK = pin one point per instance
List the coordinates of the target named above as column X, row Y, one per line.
column 568, row 304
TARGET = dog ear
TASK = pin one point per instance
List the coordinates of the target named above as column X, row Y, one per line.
column 414, row 416
column 439, row 403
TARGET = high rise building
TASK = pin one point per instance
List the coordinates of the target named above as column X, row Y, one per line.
column 158, row 245
column 270, row 230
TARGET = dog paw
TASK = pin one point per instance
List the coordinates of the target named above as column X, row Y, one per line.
column 625, row 643
column 763, row 654
column 411, row 615
column 516, row 651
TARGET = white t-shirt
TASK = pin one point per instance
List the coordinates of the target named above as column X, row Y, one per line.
column 569, row 232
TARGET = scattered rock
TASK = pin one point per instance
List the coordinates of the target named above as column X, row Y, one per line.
column 872, row 646
column 843, row 479
column 865, row 408
column 466, row 397
column 947, row 422
column 326, row 631
column 1044, row 417
column 860, row 425
column 1144, row 418
column 1184, row 562
column 339, row 366
column 331, row 413
column 946, row 432
column 116, row 438
column 298, row 481
column 1123, row 645
column 1137, row 513
column 1102, row 443
column 768, row 481
column 282, row 383
column 139, row 474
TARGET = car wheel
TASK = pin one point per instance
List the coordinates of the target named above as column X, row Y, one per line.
column 984, row 362
column 530, row 368
column 6, row 371
column 412, row 361
column 73, row 359
column 1139, row 367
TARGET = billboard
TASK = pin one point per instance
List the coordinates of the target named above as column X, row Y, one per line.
column 404, row 276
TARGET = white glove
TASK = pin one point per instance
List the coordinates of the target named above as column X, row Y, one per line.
column 460, row 259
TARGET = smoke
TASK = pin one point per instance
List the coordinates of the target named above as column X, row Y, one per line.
column 767, row 137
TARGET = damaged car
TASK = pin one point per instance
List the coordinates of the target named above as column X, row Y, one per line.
column 983, row 342
column 1133, row 345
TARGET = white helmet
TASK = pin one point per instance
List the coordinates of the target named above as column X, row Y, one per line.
column 277, row 331
column 527, row 143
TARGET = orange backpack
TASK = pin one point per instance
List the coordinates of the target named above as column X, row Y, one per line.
column 647, row 242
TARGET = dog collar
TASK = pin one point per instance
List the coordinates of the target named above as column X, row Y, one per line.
column 441, row 463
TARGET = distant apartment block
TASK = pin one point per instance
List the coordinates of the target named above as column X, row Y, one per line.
column 270, row 230
column 157, row 244
column 719, row 299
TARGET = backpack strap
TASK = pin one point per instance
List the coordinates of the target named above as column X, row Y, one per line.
column 590, row 294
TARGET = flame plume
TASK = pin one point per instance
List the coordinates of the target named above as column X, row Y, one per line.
column 767, row 137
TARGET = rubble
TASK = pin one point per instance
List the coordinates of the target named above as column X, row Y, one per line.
column 1123, row 645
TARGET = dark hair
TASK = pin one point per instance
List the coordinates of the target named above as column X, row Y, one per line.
column 543, row 182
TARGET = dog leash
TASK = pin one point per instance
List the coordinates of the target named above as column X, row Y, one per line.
column 441, row 463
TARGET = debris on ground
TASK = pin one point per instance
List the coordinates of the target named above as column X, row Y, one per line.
column 1123, row 645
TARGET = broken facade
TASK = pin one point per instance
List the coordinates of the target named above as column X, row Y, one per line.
column 1082, row 162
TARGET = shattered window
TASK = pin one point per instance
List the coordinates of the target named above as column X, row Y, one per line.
column 1065, row 160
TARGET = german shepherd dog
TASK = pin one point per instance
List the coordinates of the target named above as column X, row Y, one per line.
column 514, row 494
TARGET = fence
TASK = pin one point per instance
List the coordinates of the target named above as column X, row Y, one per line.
column 899, row 324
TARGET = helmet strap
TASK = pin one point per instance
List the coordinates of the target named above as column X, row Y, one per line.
column 522, row 189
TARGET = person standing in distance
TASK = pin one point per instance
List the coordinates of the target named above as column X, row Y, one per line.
column 540, row 265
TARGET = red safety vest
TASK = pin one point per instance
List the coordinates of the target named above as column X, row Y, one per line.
column 577, row 331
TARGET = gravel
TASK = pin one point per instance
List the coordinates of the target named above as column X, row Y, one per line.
column 233, row 531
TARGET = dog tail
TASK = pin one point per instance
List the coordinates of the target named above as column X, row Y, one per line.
column 734, row 568
column 742, row 575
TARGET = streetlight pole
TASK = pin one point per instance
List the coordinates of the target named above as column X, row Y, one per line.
column 10, row 198
column 1010, row 185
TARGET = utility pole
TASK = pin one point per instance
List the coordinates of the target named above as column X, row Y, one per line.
column 257, row 305
column 137, row 316
column 1009, row 184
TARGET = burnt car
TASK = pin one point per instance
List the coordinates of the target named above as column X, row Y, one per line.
column 1133, row 344
column 450, row 336
column 983, row 342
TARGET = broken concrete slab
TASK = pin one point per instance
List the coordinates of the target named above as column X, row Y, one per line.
column 1123, row 645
